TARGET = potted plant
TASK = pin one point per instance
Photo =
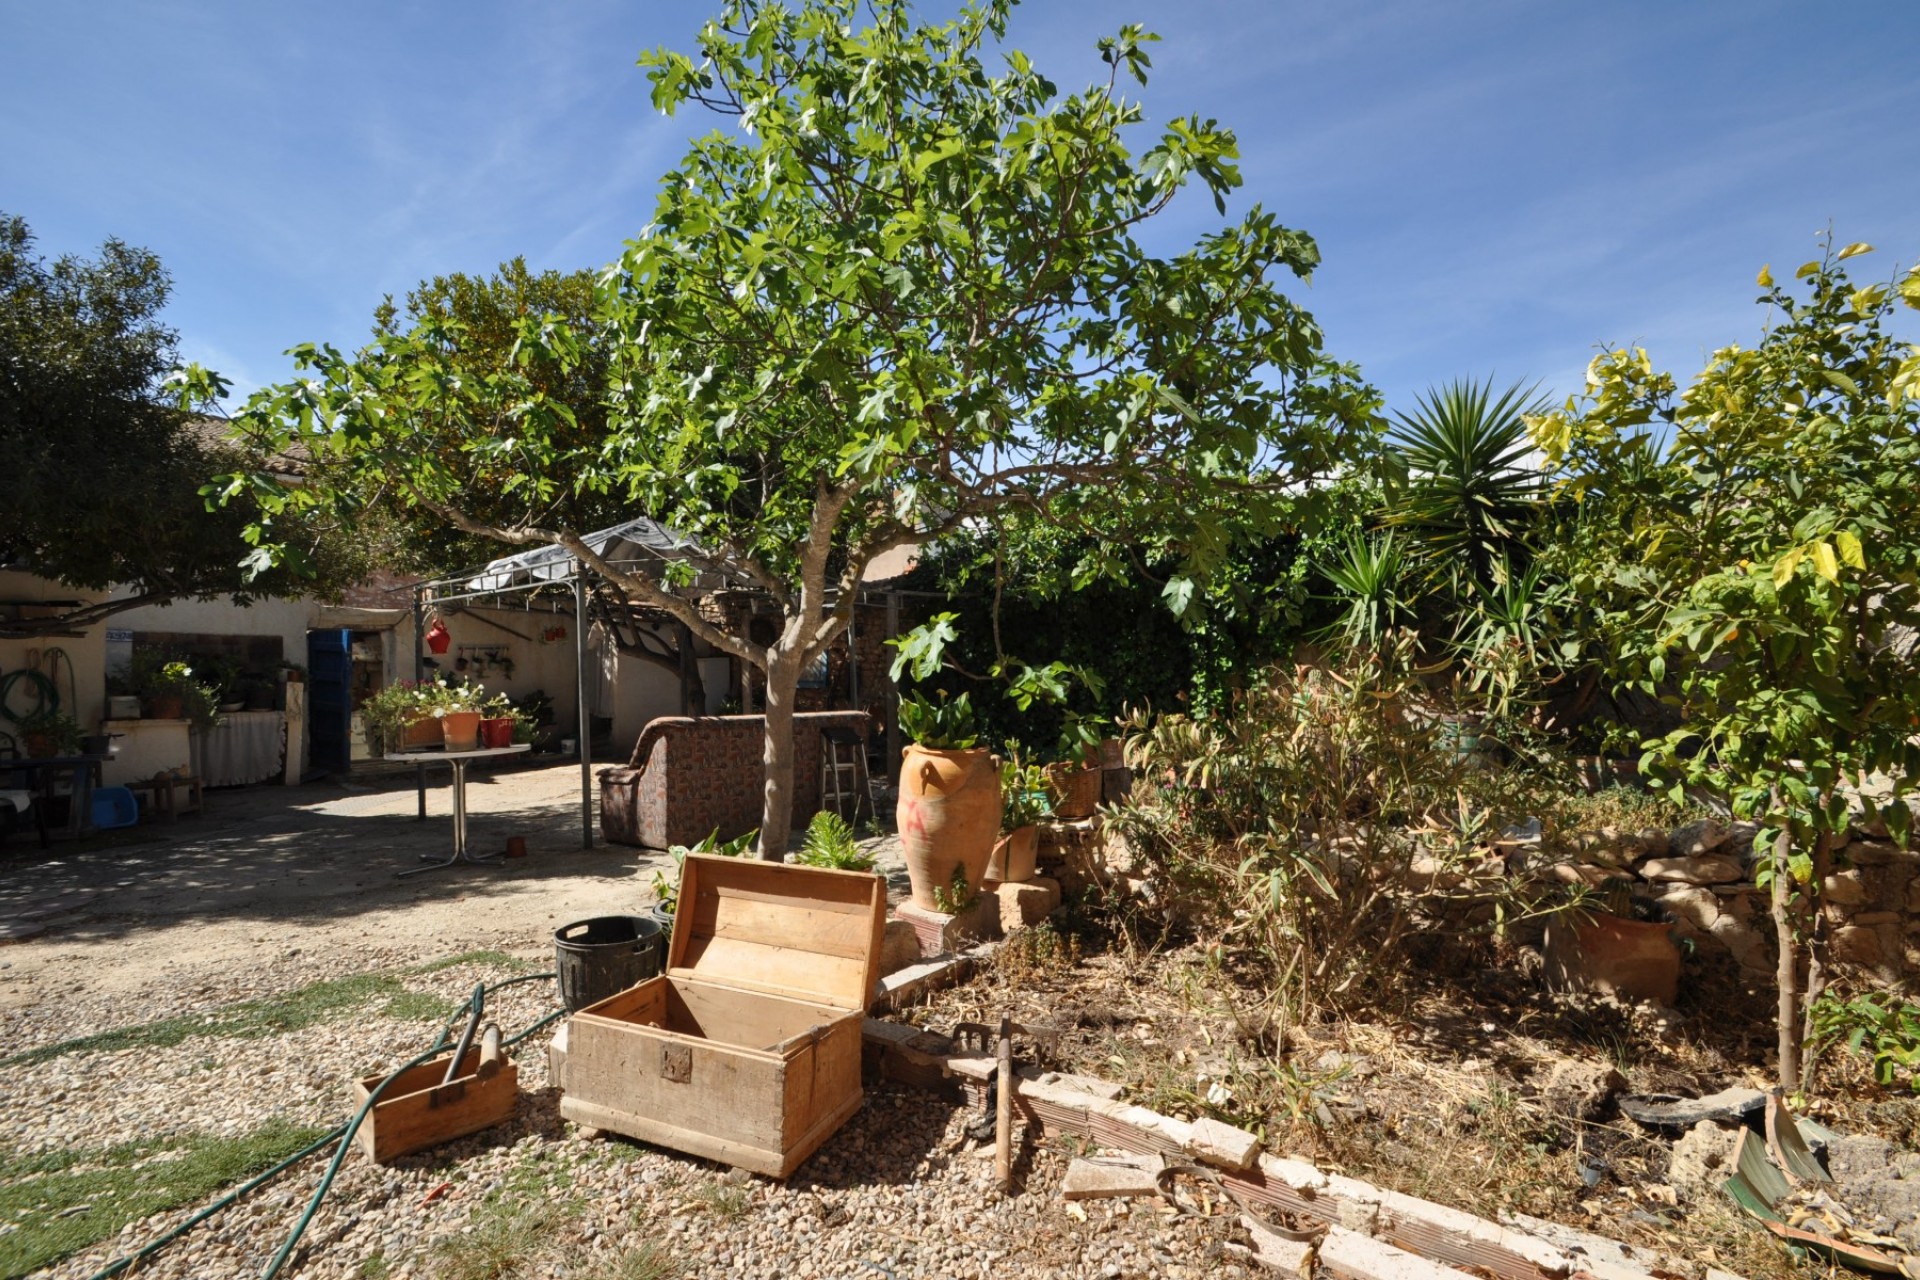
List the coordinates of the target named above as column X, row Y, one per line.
column 412, row 714
column 666, row 893
column 1073, row 780
column 48, row 732
column 1023, row 803
column 949, row 810
column 830, row 844
column 497, row 722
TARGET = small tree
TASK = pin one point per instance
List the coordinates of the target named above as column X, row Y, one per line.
column 896, row 293
column 1764, row 576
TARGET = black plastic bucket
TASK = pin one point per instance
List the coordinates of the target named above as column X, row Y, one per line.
column 597, row 958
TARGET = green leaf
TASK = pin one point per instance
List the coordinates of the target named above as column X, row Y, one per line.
column 1178, row 593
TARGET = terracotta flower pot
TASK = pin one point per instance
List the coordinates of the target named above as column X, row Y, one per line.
column 1076, row 791
column 1014, row 855
column 1594, row 951
column 166, row 706
column 460, row 730
column 496, row 732
column 421, row 733
column 948, row 816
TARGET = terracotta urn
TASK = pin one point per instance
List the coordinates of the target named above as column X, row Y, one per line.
column 1632, row 959
column 460, row 730
column 949, row 816
column 1014, row 855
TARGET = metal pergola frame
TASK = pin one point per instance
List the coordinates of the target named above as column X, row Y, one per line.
column 459, row 589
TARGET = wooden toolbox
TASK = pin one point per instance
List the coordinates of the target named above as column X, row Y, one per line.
column 417, row 1111
column 747, row 1049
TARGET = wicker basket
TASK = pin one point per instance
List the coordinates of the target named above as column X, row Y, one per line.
column 1075, row 791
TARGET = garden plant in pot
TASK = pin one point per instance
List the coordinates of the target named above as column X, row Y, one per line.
column 666, row 891
column 949, row 810
column 1023, row 802
column 49, row 732
column 168, row 690
column 1073, row 780
column 412, row 714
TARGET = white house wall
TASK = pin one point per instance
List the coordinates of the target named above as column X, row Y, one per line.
column 88, row 652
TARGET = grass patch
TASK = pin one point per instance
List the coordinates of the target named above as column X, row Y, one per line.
column 514, row 1232
column 726, row 1201
column 57, row 1203
column 254, row 1019
column 501, row 1243
column 643, row 1262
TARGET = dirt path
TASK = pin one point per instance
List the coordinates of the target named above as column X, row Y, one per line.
column 273, row 875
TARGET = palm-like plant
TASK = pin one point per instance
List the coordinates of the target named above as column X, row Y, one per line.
column 1368, row 574
column 1465, row 488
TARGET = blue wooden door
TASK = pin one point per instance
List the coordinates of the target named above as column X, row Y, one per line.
column 330, row 699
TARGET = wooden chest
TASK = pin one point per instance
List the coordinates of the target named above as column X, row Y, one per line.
column 747, row 1049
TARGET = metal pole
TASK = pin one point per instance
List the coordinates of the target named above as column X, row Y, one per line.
column 580, row 692
column 419, row 674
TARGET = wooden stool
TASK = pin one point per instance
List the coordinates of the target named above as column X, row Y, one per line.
column 166, row 788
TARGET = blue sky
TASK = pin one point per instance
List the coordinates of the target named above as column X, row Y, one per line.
column 1496, row 186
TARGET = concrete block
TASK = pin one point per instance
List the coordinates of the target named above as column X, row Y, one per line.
column 1223, row 1145
column 1026, row 904
column 1278, row 1253
column 939, row 932
column 1110, row 1177
column 1352, row 1256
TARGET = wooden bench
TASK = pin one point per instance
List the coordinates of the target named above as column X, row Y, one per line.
column 165, row 791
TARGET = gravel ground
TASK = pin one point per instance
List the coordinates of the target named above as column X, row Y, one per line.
column 279, row 888
column 899, row 1191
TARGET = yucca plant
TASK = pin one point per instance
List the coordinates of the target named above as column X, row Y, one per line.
column 1466, row 489
column 1368, row 574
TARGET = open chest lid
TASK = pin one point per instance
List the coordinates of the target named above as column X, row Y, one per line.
column 803, row 933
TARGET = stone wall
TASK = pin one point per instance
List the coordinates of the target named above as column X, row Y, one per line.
column 1701, row 876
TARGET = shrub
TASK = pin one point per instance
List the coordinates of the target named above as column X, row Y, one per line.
column 829, row 843
column 1319, row 822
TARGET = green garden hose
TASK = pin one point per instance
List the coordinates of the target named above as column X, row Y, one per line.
column 46, row 693
column 342, row 1135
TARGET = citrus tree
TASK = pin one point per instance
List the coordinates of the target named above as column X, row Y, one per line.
column 894, row 291
column 1762, row 574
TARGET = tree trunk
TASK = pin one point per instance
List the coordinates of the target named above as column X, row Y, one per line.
column 776, row 812
column 1786, row 1022
column 1816, row 947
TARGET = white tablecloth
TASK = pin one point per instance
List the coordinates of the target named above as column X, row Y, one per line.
column 245, row 747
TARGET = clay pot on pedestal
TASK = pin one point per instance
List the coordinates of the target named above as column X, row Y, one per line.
column 1014, row 856
column 460, row 730
column 1075, row 791
column 1632, row 959
column 948, row 816
column 166, row 706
